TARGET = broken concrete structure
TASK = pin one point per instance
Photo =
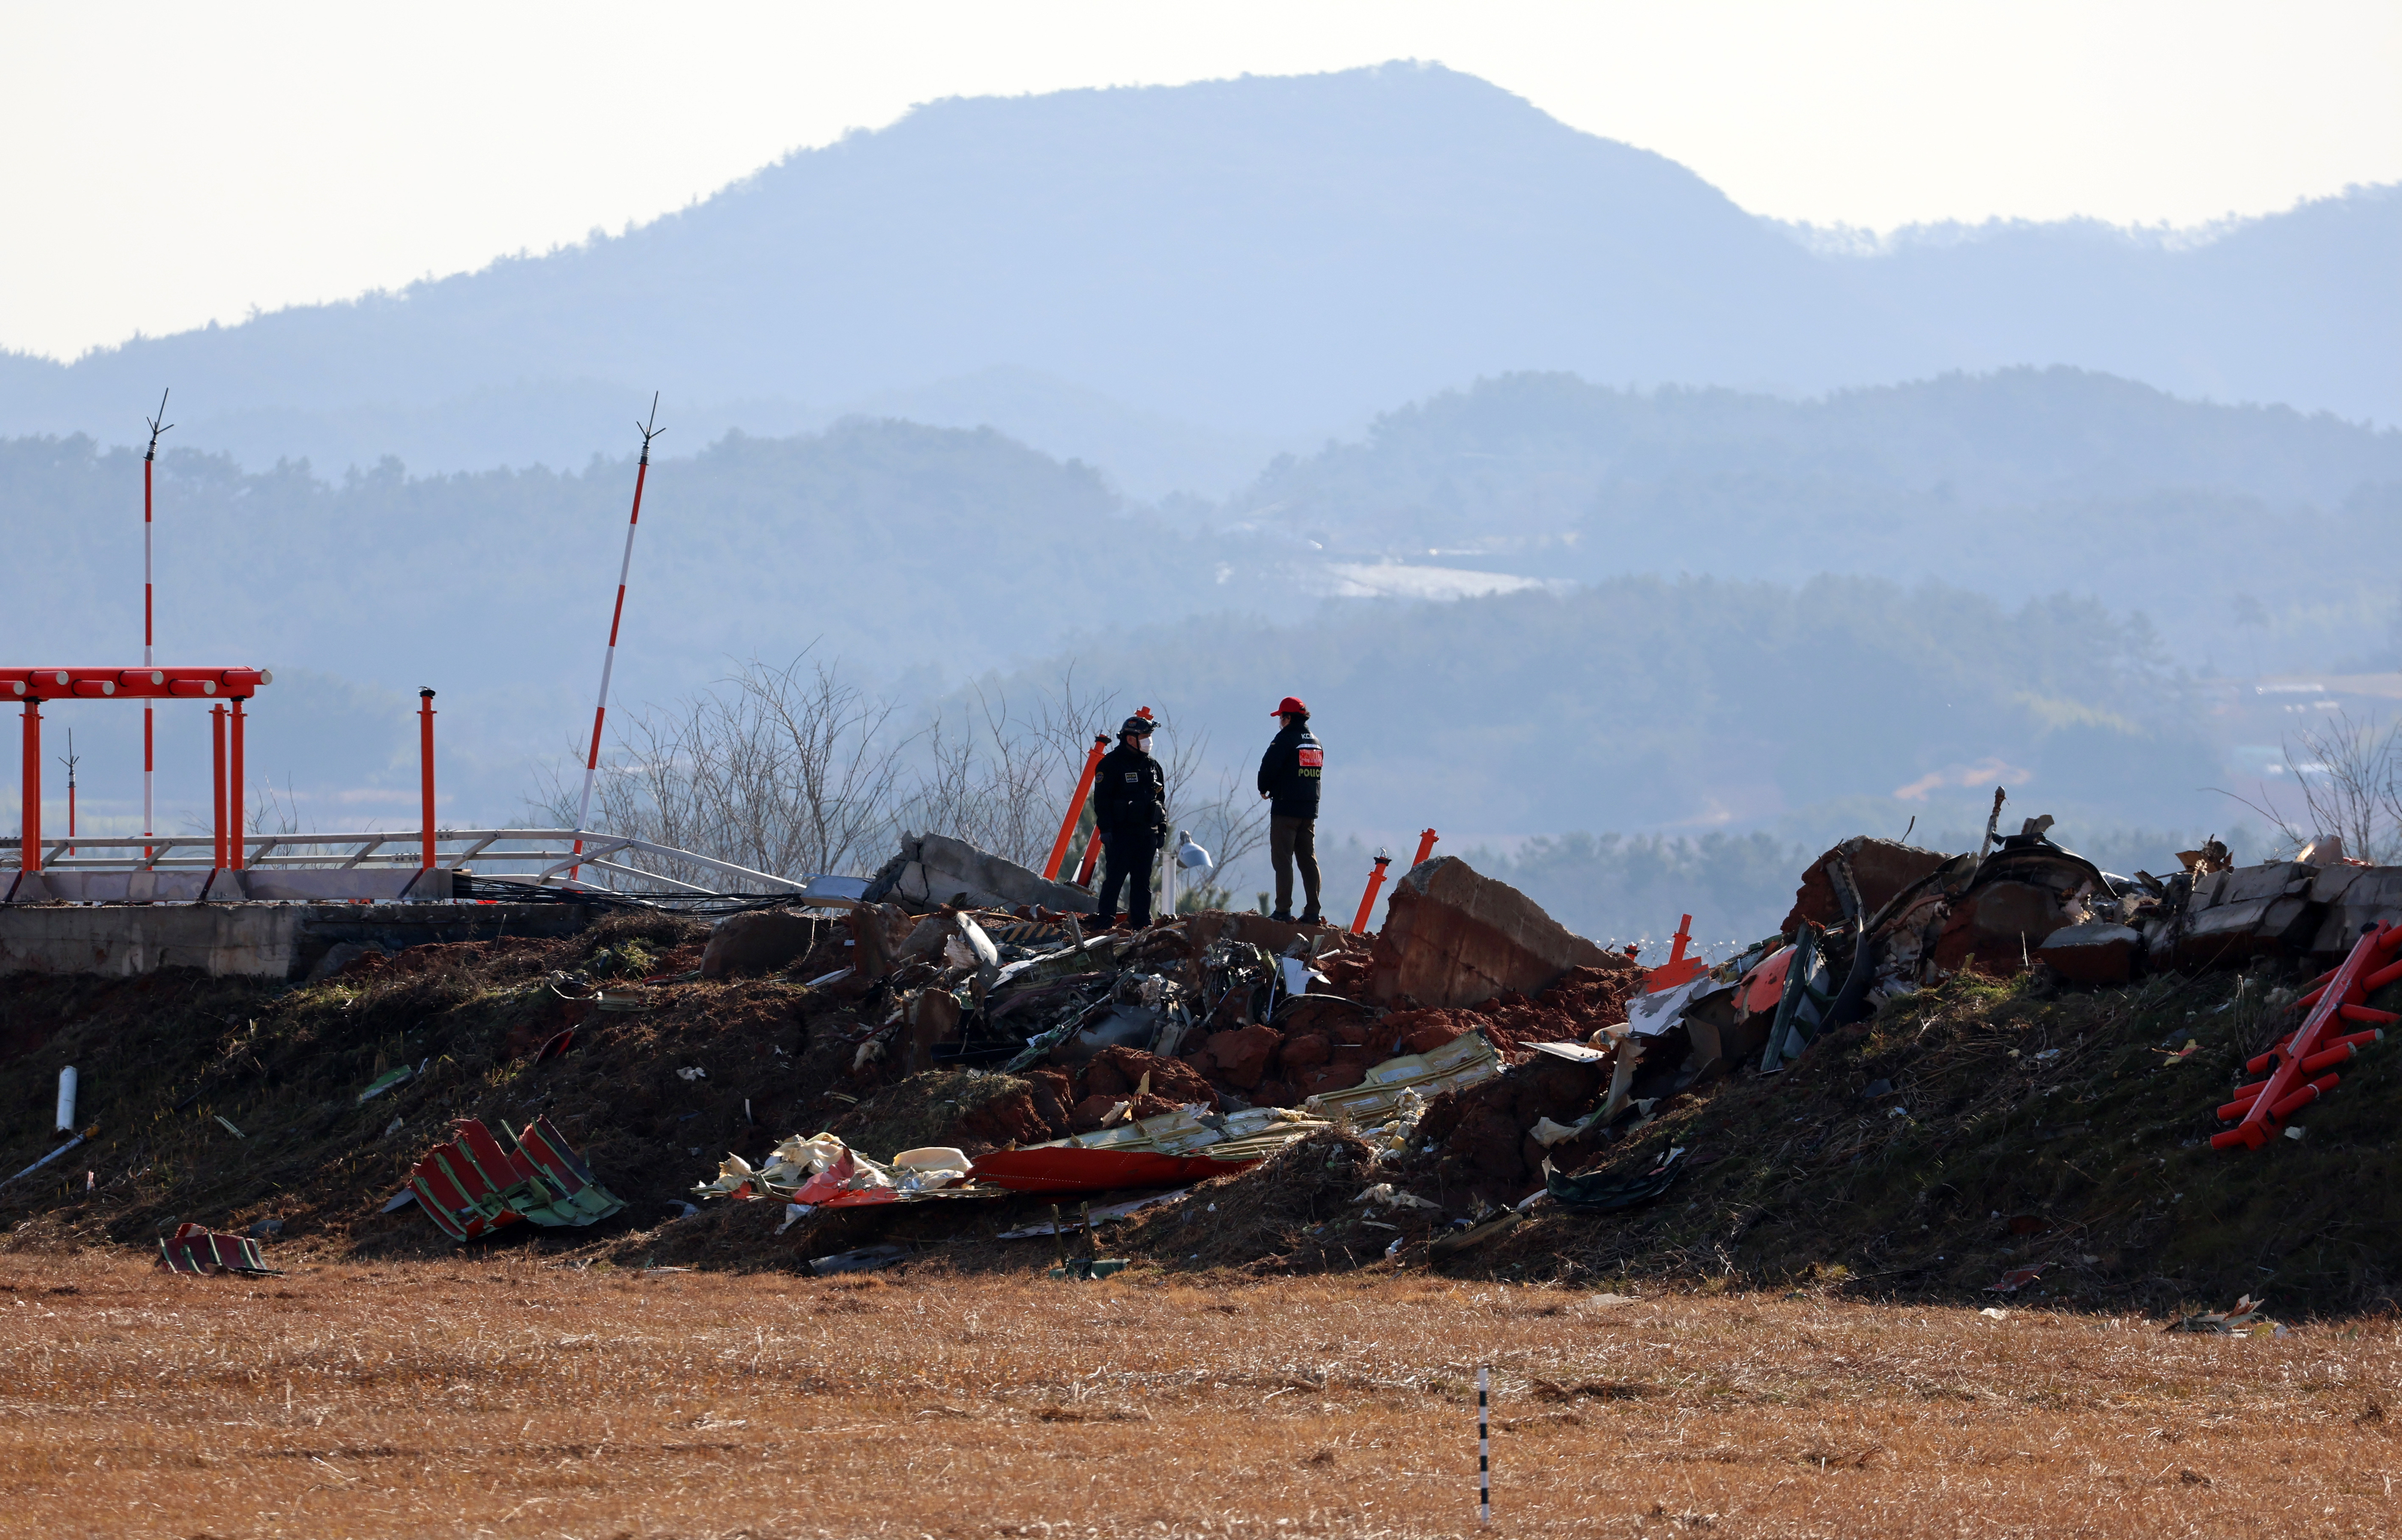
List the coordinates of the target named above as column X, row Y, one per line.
column 936, row 870
column 1454, row 938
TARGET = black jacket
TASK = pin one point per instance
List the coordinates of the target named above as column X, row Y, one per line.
column 1130, row 793
column 1290, row 772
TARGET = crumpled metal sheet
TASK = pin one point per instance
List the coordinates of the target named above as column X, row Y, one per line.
column 1599, row 1193
column 476, row 1184
column 199, row 1250
column 822, row 1172
column 1463, row 1061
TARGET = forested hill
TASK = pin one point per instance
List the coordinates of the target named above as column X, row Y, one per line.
column 2223, row 523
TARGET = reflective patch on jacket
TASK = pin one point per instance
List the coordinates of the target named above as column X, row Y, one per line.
column 1313, row 759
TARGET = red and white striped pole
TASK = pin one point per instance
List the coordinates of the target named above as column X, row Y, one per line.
column 150, row 721
column 616, row 616
column 70, row 763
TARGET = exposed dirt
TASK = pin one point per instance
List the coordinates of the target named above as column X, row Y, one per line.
column 169, row 1060
column 1282, row 1215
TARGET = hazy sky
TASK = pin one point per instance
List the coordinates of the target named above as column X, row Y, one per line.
column 167, row 165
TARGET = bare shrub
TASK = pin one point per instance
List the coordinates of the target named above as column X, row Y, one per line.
column 2349, row 776
column 794, row 770
column 784, row 770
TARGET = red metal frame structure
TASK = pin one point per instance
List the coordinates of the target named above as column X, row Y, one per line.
column 35, row 685
column 217, row 741
column 2259, row 1110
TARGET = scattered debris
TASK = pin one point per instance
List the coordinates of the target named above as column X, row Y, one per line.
column 864, row 1259
column 1088, row 1214
column 1445, row 1247
column 53, row 1155
column 2243, row 1318
column 475, row 1185
column 202, row 1251
column 1602, row 1195
column 1276, row 1097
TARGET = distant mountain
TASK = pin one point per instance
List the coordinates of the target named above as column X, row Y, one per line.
column 1159, row 280
column 2302, row 307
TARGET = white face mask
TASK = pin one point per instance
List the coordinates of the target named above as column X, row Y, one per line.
column 1140, row 745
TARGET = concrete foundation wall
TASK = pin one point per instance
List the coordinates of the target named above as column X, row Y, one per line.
column 251, row 940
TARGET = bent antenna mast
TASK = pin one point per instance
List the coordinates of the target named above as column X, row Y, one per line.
column 617, row 617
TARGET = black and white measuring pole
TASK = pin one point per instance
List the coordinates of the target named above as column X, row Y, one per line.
column 1483, row 1449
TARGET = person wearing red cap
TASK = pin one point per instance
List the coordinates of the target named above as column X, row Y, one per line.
column 1289, row 776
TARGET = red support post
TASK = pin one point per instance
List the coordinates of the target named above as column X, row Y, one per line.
column 1425, row 848
column 425, row 775
column 217, row 806
column 1368, row 899
column 29, row 849
column 234, row 790
column 1075, row 808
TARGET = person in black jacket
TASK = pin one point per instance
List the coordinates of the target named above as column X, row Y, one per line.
column 1130, row 814
column 1289, row 778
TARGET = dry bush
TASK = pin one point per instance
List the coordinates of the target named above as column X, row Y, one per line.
column 794, row 769
column 496, row 1396
column 2349, row 776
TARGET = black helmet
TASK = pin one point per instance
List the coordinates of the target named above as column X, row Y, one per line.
column 1140, row 726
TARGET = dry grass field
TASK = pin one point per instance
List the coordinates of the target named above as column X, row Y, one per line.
column 505, row 1396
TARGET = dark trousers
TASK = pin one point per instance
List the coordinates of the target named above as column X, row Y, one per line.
column 1125, row 862
column 1291, row 840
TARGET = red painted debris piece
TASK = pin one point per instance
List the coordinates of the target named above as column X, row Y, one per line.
column 1679, row 970
column 197, row 1249
column 1070, row 1170
column 474, row 1185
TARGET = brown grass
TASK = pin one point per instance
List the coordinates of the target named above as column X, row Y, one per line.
column 503, row 1396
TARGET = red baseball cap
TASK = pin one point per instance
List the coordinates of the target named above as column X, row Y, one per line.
column 1289, row 707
